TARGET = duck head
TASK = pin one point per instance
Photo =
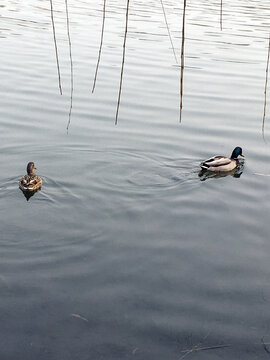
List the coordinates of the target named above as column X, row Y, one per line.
column 237, row 152
column 30, row 168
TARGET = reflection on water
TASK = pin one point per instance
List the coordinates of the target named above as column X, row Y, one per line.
column 124, row 233
column 28, row 194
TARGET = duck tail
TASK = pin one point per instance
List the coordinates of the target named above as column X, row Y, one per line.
column 204, row 166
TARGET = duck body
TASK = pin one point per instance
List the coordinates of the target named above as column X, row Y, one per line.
column 30, row 181
column 221, row 163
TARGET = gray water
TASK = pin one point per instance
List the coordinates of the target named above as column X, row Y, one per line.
column 126, row 253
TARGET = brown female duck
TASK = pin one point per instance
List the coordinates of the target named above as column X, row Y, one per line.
column 30, row 181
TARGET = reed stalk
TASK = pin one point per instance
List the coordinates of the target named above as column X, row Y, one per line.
column 56, row 50
column 71, row 65
column 197, row 349
column 220, row 17
column 168, row 29
column 182, row 59
column 265, row 86
column 123, row 63
column 100, row 45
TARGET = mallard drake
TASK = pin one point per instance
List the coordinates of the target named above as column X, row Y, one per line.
column 30, row 181
column 222, row 163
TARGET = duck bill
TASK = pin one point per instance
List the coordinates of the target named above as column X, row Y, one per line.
column 243, row 155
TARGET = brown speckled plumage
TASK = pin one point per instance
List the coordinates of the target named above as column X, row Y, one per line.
column 30, row 181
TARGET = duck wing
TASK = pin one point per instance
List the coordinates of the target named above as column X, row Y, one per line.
column 215, row 162
column 25, row 180
column 28, row 182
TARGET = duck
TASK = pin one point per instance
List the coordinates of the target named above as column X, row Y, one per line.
column 30, row 181
column 222, row 163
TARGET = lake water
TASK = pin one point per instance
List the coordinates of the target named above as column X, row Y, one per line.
column 126, row 253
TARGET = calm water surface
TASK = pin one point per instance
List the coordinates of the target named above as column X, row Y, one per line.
column 126, row 253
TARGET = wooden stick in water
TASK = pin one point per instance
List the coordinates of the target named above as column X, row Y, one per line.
column 123, row 62
column 56, row 51
column 100, row 46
